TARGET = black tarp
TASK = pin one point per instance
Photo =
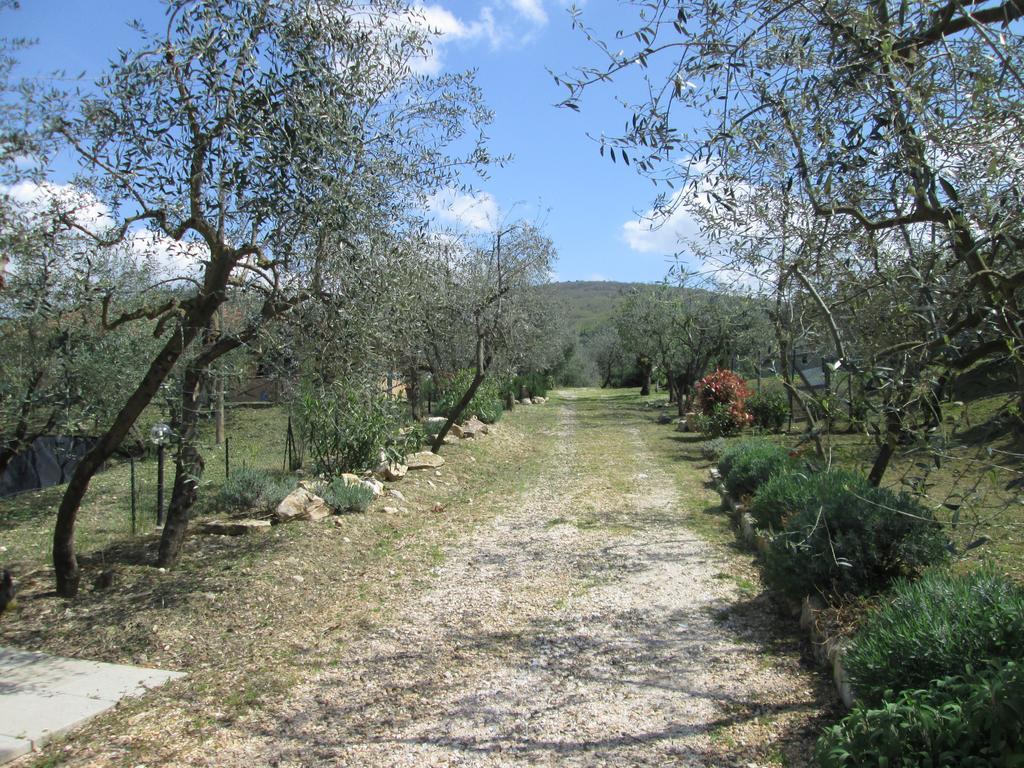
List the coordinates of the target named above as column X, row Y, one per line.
column 50, row 460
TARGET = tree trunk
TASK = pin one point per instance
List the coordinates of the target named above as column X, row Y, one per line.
column 682, row 395
column 670, row 383
column 189, row 467
column 188, row 470
column 457, row 411
column 645, row 370
column 65, row 563
column 412, row 392
column 887, row 449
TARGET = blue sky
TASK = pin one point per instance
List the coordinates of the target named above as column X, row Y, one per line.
column 588, row 205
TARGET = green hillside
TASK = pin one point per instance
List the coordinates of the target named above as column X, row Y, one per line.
column 589, row 303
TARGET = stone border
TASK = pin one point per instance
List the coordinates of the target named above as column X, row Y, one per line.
column 828, row 651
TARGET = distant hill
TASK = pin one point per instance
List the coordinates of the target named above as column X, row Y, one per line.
column 589, row 303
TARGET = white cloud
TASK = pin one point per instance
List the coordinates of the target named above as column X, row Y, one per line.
column 479, row 212
column 532, row 10
column 495, row 28
column 169, row 258
column 38, row 198
column 656, row 232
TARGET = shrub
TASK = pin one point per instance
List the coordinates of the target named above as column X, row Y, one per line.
column 853, row 541
column 347, row 425
column 486, row 405
column 534, row 384
column 933, row 628
column 787, row 492
column 712, row 449
column 747, row 465
column 721, row 398
column 768, row 409
column 347, row 497
column 971, row 720
column 719, row 423
column 252, row 489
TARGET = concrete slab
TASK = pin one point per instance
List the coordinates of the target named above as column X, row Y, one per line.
column 44, row 696
column 12, row 748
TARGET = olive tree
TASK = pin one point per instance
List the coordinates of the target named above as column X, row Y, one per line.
column 251, row 131
column 485, row 289
column 893, row 122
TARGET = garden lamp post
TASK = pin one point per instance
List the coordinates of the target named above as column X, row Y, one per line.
column 160, row 434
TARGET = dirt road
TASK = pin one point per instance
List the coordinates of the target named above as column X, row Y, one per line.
column 585, row 625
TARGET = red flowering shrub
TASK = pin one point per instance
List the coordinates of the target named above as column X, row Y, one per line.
column 721, row 398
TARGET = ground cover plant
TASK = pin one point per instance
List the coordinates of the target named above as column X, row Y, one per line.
column 345, row 496
column 791, row 490
column 853, row 542
column 973, row 719
column 750, row 463
column 251, row 489
column 935, row 627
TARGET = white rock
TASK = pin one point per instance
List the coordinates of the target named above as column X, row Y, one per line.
column 374, row 485
column 396, row 494
column 293, row 506
column 424, row 460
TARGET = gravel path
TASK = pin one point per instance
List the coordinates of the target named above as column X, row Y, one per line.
column 551, row 641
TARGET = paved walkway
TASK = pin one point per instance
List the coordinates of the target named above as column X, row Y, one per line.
column 42, row 697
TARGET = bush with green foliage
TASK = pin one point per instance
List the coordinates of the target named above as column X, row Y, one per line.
column 533, row 384
column 854, row 541
column 721, row 399
column 971, row 720
column 787, row 492
column 347, row 497
column 719, row 423
column 748, row 464
column 768, row 409
column 933, row 628
column 248, row 489
column 712, row 450
column 487, row 404
column 347, row 425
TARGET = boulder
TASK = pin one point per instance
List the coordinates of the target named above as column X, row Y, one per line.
column 390, row 510
column 424, row 460
column 474, row 427
column 349, row 479
column 457, row 431
column 391, row 471
column 374, row 485
column 538, row 401
column 435, row 421
column 526, row 401
column 235, row 527
column 301, row 504
column 396, row 494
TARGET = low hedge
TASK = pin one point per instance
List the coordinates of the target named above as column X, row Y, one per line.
column 972, row 720
column 747, row 465
column 853, row 541
column 787, row 492
column 933, row 628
